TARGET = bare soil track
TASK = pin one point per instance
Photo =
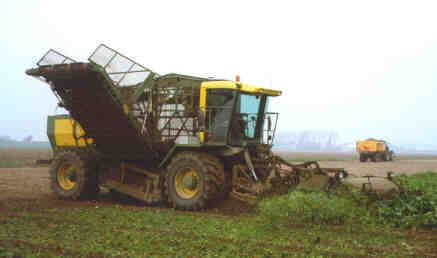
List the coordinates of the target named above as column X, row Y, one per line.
column 28, row 188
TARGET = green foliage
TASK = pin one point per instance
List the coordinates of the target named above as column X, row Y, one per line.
column 417, row 203
column 311, row 207
column 134, row 231
column 300, row 224
column 415, row 206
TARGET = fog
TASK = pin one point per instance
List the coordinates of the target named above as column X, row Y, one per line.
column 359, row 68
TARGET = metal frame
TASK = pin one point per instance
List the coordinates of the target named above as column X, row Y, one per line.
column 111, row 55
column 51, row 52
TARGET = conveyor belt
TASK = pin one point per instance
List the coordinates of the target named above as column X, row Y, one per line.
column 92, row 101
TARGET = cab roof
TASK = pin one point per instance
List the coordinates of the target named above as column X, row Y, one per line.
column 213, row 83
column 240, row 86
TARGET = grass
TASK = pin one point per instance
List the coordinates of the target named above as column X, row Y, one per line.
column 136, row 232
column 300, row 224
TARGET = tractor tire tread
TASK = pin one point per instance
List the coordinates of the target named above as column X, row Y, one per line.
column 87, row 187
column 213, row 178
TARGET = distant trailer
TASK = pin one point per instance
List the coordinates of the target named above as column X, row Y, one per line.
column 374, row 150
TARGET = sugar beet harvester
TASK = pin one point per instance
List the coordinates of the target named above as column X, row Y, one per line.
column 176, row 138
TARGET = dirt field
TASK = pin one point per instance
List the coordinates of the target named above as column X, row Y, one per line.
column 28, row 188
column 381, row 168
column 359, row 169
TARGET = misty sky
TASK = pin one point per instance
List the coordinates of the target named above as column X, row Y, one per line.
column 362, row 68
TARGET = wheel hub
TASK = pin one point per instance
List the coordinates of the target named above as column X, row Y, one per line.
column 186, row 183
column 67, row 176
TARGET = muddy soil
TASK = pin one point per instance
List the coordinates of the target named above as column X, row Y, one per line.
column 28, row 188
column 24, row 189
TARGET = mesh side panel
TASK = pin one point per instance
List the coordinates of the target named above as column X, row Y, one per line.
column 53, row 57
column 133, row 78
column 175, row 124
column 102, row 56
column 122, row 70
column 119, row 64
column 116, row 77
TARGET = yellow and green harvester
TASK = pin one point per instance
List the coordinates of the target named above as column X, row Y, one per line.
column 176, row 138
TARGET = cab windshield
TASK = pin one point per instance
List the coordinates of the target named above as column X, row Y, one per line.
column 235, row 118
column 248, row 107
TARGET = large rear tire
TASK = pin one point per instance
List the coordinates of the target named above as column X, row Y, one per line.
column 193, row 180
column 73, row 178
column 363, row 158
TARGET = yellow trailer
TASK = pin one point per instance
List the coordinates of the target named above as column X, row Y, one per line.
column 374, row 149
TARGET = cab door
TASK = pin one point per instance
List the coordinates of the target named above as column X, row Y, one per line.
column 218, row 113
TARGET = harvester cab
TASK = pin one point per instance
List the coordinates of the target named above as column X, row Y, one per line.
column 236, row 114
column 182, row 139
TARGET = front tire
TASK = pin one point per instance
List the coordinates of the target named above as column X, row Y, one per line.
column 72, row 178
column 193, row 180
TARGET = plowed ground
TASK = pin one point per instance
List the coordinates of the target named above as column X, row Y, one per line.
column 29, row 189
